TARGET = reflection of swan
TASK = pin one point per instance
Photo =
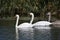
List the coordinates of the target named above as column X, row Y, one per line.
column 43, row 22
column 26, row 34
column 43, row 27
column 23, row 25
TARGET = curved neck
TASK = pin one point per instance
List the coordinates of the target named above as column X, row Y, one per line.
column 49, row 19
column 32, row 19
column 17, row 21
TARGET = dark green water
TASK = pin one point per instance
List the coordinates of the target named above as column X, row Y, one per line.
column 8, row 33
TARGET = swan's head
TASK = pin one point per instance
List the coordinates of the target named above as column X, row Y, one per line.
column 31, row 13
column 48, row 13
column 17, row 15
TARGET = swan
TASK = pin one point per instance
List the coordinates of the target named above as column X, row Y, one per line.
column 43, row 23
column 23, row 25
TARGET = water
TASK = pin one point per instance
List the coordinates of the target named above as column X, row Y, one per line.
column 8, row 33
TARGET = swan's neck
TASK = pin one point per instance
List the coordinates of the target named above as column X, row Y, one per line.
column 32, row 19
column 49, row 19
column 17, row 21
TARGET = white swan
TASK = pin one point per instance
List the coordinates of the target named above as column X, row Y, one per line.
column 23, row 25
column 43, row 23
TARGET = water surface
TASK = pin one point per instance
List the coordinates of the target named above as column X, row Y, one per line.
column 8, row 33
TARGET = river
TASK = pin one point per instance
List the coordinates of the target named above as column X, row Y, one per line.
column 8, row 33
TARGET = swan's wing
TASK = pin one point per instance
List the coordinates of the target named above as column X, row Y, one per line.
column 37, row 23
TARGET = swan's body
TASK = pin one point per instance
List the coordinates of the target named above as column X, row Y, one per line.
column 23, row 25
column 43, row 23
